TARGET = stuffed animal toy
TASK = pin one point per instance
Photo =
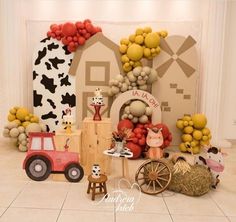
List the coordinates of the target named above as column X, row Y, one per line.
column 214, row 161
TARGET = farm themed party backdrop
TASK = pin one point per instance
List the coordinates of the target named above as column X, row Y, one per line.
column 99, row 61
column 132, row 90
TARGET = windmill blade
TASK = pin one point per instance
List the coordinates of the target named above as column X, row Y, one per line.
column 187, row 69
column 187, row 44
column 161, row 70
column 165, row 47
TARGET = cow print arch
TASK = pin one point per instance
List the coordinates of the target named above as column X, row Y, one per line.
column 53, row 87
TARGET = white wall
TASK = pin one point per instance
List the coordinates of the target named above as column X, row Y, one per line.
column 228, row 108
column 16, row 84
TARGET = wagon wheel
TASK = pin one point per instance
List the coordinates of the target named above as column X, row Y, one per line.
column 153, row 177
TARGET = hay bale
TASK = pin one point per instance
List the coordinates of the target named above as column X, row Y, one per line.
column 196, row 182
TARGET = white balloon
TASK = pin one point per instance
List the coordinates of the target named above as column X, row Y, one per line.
column 147, row 70
column 119, row 78
column 143, row 119
column 137, row 71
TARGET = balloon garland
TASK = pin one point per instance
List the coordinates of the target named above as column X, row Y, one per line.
column 143, row 44
column 73, row 34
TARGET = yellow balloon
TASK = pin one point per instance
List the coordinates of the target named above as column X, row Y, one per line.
column 153, row 50
column 13, row 111
column 127, row 69
column 124, row 41
column 124, row 58
column 135, row 52
column 139, row 39
column 187, row 138
column 123, row 48
column 147, row 29
column 180, row 124
column 11, row 117
column 138, row 63
column 146, row 52
column 152, row 40
column 139, row 31
column 163, row 33
column 182, row 147
column 132, row 38
column 25, row 124
column 22, row 113
column 188, row 129
column 197, row 134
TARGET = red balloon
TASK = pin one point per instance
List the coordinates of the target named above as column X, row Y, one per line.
column 49, row 33
column 89, row 27
column 83, row 31
column 139, row 135
column 144, row 131
column 53, row 34
column 142, row 141
column 71, row 44
column 140, row 125
column 136, row 149
column 79, row 25
column 137, row 130
column 69, row 29
column 165, row 131
column 134, row 139
column 87, row 21
column 98, row 29
column 54, row 27
column 81, row 40
column 125, row 124
column 58, row 38
column 166, row 143
column 65, row 41
column 87, row 35
column 132, row 135
column 69, row 38
column 71, row 48
column 75, row 39
column 58, row 32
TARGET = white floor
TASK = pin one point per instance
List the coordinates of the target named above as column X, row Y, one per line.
column 28, row 201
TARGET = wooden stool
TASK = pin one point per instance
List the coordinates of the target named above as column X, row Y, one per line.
column 101, row 181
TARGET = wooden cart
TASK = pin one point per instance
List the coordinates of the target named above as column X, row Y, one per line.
column 153, row 176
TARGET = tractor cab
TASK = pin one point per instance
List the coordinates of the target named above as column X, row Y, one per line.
column 41, row 141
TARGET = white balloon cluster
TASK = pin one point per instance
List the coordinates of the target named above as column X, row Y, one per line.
column 13, row 130
column 137, row 111
column 138, row 78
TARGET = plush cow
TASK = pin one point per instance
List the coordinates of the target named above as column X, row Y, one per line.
column 215, row 162
column 98, row 98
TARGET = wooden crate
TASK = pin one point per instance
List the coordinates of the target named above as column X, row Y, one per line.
column 96, row 137
column 74, row 146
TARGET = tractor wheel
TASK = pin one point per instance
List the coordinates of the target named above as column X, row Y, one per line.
column 74, row 172
column 38, row 168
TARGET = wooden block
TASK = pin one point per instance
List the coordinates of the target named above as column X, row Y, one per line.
column 96, row 138
column 74, row 140
column 74, row 146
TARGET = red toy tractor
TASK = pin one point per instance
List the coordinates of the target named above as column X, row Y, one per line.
column 42, row 159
